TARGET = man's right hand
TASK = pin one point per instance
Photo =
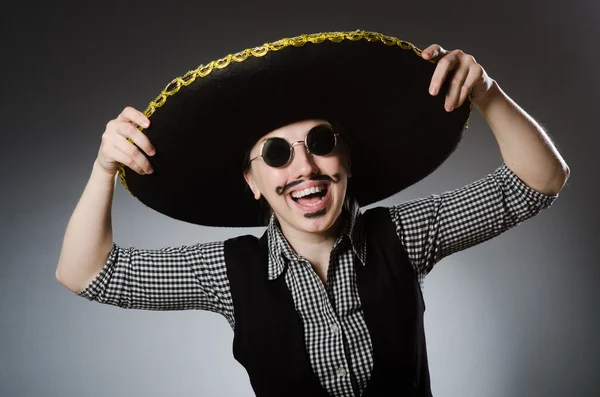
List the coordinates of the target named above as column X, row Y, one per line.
column 115, row 147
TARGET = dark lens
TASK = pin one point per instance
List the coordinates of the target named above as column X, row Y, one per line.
column 320, row 140
column 276, row 152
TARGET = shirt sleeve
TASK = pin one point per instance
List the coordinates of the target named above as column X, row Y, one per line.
column 179, row 278
column 434, row 227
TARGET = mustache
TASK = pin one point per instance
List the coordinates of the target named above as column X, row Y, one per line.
column 281, row 190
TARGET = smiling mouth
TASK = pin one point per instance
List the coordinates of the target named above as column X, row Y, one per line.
column 312, row 202
column 310, row 197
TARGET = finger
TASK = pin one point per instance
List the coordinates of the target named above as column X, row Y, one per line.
column 128, row 162
column 433, row 51
column 111, row 154
column 454, row 92
column 128, row 154
column 445, row 65
column 135, row 116
column 474, row 77
column 127, row 130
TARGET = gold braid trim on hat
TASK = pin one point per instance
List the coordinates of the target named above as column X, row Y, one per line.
column 204, row 70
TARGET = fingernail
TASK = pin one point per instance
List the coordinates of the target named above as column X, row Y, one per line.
column 151, row 170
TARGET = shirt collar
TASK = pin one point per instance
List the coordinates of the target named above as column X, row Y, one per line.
column 280, row 251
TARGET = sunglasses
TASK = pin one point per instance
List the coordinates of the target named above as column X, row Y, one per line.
column 321, row 140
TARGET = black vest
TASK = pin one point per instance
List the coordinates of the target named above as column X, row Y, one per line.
column 269, row 337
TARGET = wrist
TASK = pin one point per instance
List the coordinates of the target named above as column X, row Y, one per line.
column 483, row 101
column 100, row 174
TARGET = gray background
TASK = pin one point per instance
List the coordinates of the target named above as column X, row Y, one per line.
column 516, row 316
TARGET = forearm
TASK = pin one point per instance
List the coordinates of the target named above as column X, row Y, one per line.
column 88, row 238
column 525, row 147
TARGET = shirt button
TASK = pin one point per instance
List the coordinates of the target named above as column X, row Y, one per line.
column 341, row 371
column 334, row 329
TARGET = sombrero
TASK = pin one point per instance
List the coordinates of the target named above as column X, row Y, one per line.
column 204, row 122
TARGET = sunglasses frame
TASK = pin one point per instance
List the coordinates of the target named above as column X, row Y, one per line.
column 291, row 145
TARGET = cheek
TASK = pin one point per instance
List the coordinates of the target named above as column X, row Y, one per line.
column 268, row 179
column 336, row 165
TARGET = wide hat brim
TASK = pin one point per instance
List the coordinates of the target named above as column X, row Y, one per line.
column 204, row 122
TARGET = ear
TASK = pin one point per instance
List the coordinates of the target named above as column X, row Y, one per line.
column 250, row 181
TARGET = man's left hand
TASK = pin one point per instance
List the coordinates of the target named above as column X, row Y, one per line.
column 468, row 76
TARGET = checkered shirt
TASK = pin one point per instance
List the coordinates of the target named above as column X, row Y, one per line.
column 336, row 336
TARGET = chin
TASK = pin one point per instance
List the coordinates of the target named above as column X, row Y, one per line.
column 319, row 221
column 316, row 225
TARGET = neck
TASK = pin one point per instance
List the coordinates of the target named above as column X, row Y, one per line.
column 315, row 247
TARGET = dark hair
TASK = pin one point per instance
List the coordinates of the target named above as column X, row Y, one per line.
column 345, row 146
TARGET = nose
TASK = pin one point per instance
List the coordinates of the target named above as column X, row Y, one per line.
column 302, row 164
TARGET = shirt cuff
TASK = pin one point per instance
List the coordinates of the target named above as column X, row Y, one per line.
column 95, row 287
column 532, row 196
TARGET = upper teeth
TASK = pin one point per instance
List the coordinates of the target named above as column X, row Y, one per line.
column 306, row 192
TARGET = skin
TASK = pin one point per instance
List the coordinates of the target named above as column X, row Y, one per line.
column 525, row 147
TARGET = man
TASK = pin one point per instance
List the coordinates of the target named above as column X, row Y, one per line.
column 328, row 301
